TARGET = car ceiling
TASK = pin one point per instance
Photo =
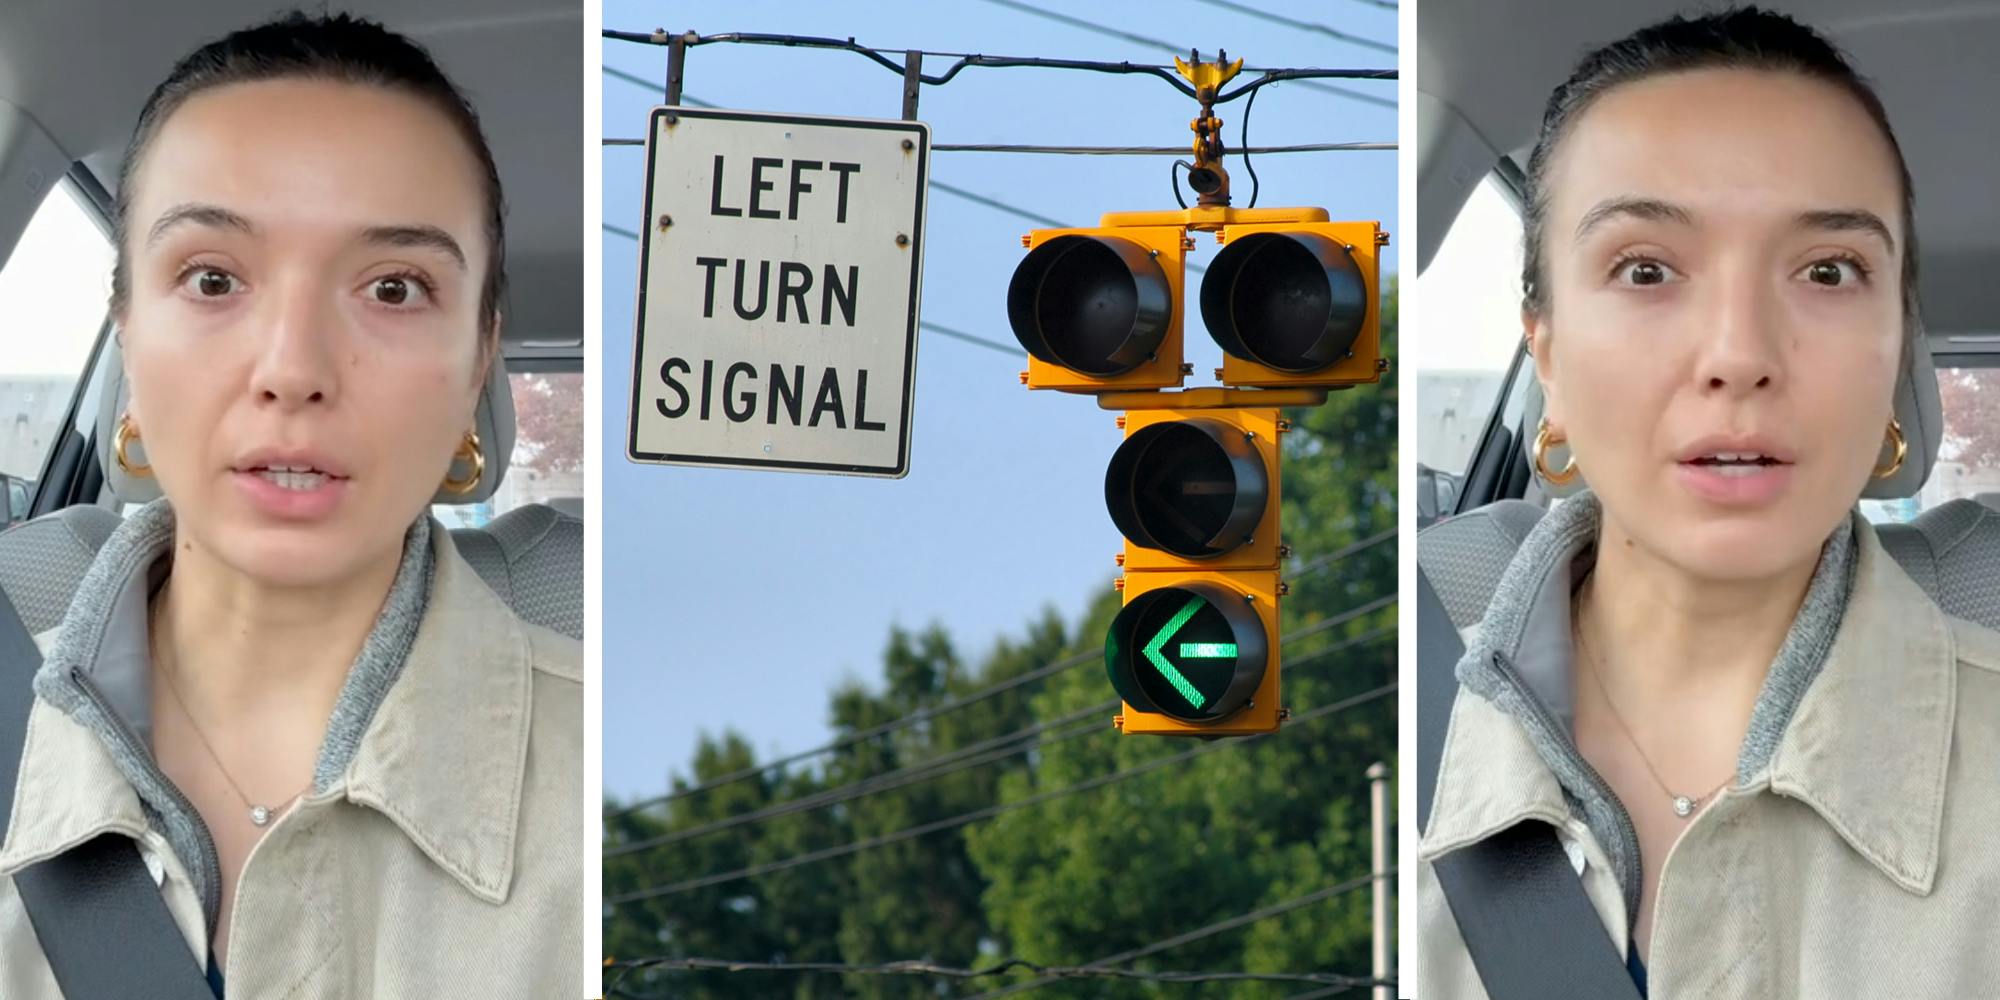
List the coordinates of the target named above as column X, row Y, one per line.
column 1931, row 61
column 82, row 68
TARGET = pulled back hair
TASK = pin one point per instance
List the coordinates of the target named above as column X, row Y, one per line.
column 1742, row 38
column 338, row 48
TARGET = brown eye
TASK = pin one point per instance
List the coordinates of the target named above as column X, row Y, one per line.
column 211, row 283
column 1827, row 272
column 399, row 290
column 1643, row 272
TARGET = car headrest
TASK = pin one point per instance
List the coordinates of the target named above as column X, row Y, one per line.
column 494, row 420
column 1918, row 409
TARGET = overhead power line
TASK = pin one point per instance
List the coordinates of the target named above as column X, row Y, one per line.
column 978, row 754
column 1265, row 15
column 880, row 57
column 1103, row 967
column 1220, row 926
column 1343, row 552
column 1161, row 44
column 930, row 969
column 935, row 826
column 928, row 713
column 1008, row 147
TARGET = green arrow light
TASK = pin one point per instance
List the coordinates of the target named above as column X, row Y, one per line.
column 1207, row 650
column 1174, row 677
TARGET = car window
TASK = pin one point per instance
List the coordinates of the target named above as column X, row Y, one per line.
column 54, row 291
column 1969, row 460
column 547, row 461
column 1471, row 296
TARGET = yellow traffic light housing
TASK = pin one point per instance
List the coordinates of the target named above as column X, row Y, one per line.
column 1195, row 491
column 1100, row 309
column 1195, row 654
column 1296, row 303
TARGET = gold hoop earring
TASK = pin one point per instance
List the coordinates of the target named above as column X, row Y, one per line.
column 120, row 438
column 470, row 453
column 1544, row 438
column 1894, row 439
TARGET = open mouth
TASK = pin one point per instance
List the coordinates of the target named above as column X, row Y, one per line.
column 1736, row 463
column 300, row 478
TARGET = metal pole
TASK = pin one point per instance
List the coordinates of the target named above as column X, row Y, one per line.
column 913, row 71
column 676, row 63
column 1378, row 804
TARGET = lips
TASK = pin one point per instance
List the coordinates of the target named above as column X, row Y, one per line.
column 1736, row 463
column 1736, row 470
column 292, row 485
column 279, row 464
column 1734, row 451
column 293, row 477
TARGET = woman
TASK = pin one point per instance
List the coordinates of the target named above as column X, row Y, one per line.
column 1758, row 741
column 350, row 769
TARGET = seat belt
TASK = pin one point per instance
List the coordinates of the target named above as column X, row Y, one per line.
column 100, row 917
column 1520, row 908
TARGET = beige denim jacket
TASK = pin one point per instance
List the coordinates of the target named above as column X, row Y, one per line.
column 1862, row 859
column 445, row 860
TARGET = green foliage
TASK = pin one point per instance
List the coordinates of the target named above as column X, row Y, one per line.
column 1082, row 877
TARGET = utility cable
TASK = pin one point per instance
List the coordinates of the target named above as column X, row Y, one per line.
column 953, row 822
column 1265, row 15
column 1101, row 967
column 930, row 969
column 1108, row 31
column 1220, row 926
column 661, row 37
column 964, row 758
column 1006, row 147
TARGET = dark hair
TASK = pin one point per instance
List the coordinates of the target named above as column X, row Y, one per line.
column 336, row 47
column 1741, row 38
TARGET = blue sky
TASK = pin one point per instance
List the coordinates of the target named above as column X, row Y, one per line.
column 737, row 599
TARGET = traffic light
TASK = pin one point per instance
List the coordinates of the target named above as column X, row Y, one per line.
column 1291, row 298
column 1295, row 303
column 1099, row 309
column 1195, row 493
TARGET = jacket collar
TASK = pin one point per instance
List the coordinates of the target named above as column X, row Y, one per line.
column 1866, row 745
column 1870, row 744
column 446, row 754
column 443, row 756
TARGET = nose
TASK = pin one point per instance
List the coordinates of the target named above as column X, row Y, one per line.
column 295, row 365
column 1742, row 348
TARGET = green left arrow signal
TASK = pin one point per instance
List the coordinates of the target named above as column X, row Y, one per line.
column 1208, row 650
column 1174, row 677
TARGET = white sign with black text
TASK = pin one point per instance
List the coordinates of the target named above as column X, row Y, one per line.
column 780, row 270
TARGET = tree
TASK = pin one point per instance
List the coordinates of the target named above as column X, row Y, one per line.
column 548, row 422
column 1971, row 399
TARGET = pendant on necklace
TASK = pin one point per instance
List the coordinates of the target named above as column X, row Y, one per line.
column 1682, row 807
column 262, row 816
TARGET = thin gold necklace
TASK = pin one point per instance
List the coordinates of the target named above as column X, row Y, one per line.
column 1684, row 805
column 260, row 815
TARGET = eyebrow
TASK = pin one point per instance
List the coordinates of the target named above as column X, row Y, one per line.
column 416, row 236
column 1649, row 209
column 1848, row 220
column 198, row 214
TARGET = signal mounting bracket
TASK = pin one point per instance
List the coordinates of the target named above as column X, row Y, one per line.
column 1208, row 177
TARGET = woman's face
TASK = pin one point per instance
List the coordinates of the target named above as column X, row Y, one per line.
column 306, row 262
column 1723, row 253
